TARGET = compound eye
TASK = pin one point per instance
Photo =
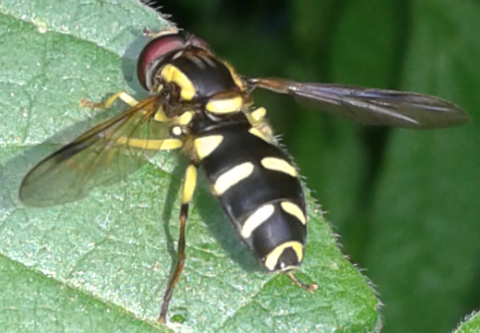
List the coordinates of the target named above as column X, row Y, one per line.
column 152, row 54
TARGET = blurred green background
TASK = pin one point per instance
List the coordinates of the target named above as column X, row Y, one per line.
column 405, row 203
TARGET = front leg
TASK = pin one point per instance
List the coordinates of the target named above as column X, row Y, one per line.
column 123, row 96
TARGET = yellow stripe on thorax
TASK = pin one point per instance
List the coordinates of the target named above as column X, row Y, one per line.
column 186, row 118
column 235, row 77
column 171, row 73
column 204, row 146
column 225, row 104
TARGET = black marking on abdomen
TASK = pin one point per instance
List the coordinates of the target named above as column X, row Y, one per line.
column 281, row 227
column 263, row 186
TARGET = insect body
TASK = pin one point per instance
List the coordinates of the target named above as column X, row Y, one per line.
column 254, row 180
column 200, row 104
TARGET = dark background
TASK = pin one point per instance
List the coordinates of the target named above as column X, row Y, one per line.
column 405, row 203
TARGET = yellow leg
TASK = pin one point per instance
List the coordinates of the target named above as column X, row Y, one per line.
column 123, row 96
column 309, row 287
column 138, row 144
column 188, row 188
column 149, row 144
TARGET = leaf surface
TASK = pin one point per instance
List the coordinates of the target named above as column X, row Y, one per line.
column 101, row 264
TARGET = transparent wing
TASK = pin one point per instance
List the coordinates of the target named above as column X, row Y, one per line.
column 102, row 155
column 372, row 106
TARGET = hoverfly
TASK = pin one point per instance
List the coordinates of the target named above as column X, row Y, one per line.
column 200, row 104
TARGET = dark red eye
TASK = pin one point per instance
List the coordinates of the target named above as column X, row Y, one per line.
column 153, row 52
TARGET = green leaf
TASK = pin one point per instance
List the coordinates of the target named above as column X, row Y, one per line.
column 408, row 211
column 424, row 245
column 101, row 264
column 33, row 302
column 470, row 325
column 358, row 45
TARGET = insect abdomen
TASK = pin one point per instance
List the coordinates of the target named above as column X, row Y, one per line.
column 259, row 190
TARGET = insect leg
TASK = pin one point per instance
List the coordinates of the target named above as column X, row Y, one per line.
column 123, row 96
column 127, row 99
column 189, row 184
column 149, row 144
column 309, row 287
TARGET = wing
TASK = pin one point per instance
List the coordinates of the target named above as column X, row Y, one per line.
column 102, row 155
column 372, row 106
